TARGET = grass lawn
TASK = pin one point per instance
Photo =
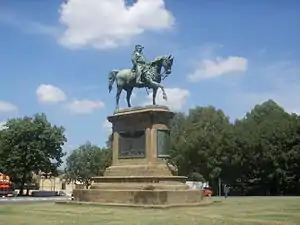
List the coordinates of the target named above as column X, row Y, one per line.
column 234, row 210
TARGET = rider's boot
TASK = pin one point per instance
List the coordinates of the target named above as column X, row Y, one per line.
column 138, row 80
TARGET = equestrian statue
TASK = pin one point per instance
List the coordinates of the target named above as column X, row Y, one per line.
column 143, row 74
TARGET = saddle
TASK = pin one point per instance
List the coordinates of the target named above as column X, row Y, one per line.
column 144, row 70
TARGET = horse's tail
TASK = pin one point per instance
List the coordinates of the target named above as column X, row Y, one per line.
column 111, row 79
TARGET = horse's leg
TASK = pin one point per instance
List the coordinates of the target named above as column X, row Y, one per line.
column 119, row 91
column 154, row 95
column 128, row 96
column 154, row 85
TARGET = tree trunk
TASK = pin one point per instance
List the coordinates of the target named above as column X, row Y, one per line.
column 27, row 191
column 23, row 180
column 21, row 189
column 87, row 184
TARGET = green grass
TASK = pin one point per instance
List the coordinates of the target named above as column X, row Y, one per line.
column 272, row 210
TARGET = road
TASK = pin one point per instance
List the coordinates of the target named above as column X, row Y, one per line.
column 30, row 200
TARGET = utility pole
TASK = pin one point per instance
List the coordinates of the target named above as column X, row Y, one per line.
column 220, row 186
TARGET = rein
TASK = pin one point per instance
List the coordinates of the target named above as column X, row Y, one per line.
column 163, row 76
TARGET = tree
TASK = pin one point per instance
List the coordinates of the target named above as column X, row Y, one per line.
column 200, row 141
column 293, row 155
column 178, row 140
column 1, row 151
column 265, row 141
column 31, row 145
column 257, row 155
column 86, row 162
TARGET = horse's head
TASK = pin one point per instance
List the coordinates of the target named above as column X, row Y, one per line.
column 167, row 63
column 160, row 62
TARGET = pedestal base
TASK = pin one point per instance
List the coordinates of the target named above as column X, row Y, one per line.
column 139, row 190
column 139, row 197
column 139, row 174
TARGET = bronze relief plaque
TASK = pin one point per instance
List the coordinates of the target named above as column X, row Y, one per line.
column 163, row 143
column 132, row 144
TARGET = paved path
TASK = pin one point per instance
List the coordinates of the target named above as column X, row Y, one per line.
column 29, row 200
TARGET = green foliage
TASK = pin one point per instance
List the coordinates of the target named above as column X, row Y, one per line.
column 258, row 154
column 199, row 141
column 31, row 145
column 267, row 138
column 86, row 162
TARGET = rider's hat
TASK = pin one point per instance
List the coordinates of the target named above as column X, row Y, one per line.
column 138, row 46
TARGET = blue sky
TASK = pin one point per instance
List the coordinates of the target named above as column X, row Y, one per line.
column 55, row 56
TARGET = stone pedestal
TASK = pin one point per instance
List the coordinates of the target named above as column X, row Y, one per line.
column 139, row 174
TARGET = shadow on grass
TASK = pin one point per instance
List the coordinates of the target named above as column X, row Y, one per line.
column 218, row 202
column 6, row 211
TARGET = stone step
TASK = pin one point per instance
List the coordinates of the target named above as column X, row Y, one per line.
column 139, row 186
column 141, row 179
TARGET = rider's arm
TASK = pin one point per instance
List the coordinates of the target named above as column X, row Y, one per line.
column 133, row 59
column 139, row 59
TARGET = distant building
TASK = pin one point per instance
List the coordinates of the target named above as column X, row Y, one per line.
column 58, row 183
column 197, row 185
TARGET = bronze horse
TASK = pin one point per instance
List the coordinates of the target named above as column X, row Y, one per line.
column 151, row 78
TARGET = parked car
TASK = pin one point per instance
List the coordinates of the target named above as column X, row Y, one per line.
column 61, row 193
column 207, row 192
column 6, row 186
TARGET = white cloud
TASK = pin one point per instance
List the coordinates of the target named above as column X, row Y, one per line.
column 214, row 68
column 132, row 99
column 47, row 93
column 84, row 106
column 176, row 98
column 107, row 127
column 2, row 125
column 106, row 24
column 7, row 107
column 133, row 96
